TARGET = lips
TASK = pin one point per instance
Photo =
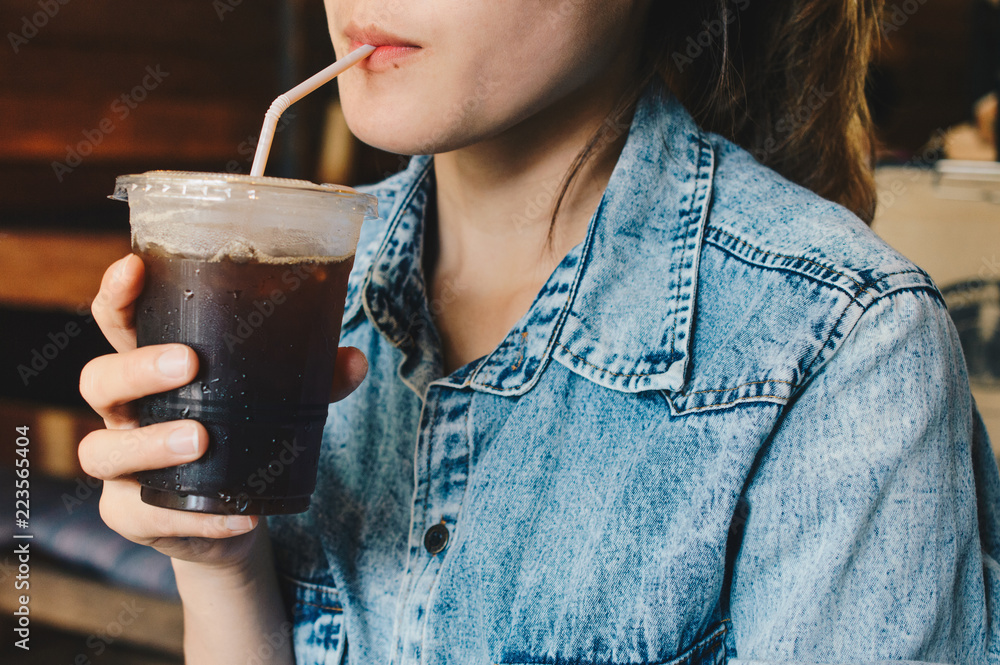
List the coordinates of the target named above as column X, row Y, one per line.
column 390, row 49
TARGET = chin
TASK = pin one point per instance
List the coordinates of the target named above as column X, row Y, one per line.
column 400, row 132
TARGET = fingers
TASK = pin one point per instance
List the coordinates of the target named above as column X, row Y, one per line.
column 123, row 511
column 349, row 372
column 114, row 306
column 109, row 383
column 111, row 453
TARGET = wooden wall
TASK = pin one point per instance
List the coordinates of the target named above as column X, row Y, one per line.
column 105, row 87
column 923, row 69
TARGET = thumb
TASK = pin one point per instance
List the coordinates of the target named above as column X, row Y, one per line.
column 350, row 370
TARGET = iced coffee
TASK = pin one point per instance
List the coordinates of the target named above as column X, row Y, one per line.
column 251, row 273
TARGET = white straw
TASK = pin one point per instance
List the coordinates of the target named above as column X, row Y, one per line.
column 279, row 105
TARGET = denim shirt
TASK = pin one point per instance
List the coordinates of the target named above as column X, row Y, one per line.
column 734, row 426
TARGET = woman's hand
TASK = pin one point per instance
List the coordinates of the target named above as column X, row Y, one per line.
column 111, row 384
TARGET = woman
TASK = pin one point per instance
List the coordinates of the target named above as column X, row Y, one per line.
column 672, row 408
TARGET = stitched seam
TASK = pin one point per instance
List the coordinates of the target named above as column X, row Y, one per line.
column 681, row 242
column 431, row 421
column 787, row 256
column 390, row 230
column 563, row 313
column 806, row 370
column 833, row 330
column 324, row 607
column 698, row 649
column 693, row 223
column 784, row 400
column 715, row 229
column 600, row 369
column 520, row 357
column 749, row 383
column 917, row 287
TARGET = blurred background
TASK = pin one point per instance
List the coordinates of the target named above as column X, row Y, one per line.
column 90, row 90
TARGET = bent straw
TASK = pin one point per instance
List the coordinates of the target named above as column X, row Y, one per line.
column 279, row 105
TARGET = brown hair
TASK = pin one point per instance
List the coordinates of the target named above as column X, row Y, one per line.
column 784, row 80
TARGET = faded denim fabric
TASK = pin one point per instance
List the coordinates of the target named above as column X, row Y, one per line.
column 733, row 427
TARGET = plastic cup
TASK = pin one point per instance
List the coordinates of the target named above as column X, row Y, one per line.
column 250, row 272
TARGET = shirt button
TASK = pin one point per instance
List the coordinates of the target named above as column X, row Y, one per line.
column 436, row 538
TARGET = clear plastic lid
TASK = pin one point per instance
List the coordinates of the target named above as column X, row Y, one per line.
column 213, row 216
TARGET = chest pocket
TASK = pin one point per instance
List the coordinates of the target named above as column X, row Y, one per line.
column 710, row 650
column 317, row 630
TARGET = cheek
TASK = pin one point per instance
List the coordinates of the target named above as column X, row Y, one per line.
column 481, row 73
column 430, row 109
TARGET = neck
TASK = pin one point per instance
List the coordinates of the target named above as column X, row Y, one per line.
column 495, row 198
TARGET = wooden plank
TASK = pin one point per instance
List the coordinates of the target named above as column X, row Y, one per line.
column 102, row 73
column 148, row 25
column 56, row 270
column 157, row 129
column 104, row 612
column 32, row 197
column 56, row 431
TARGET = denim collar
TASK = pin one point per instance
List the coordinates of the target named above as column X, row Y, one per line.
column 618, row 310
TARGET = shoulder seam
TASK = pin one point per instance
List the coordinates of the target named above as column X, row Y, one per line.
column 860, row 287
column 807, row 371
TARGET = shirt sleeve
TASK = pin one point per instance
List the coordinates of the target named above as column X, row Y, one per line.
column 872, row 528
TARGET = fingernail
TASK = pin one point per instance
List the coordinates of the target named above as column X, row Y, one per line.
column 183, row 440
column 173, row 363
column 120, row 270
column 238, row 523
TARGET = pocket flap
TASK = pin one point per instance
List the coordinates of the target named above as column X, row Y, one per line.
column 318, row 635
